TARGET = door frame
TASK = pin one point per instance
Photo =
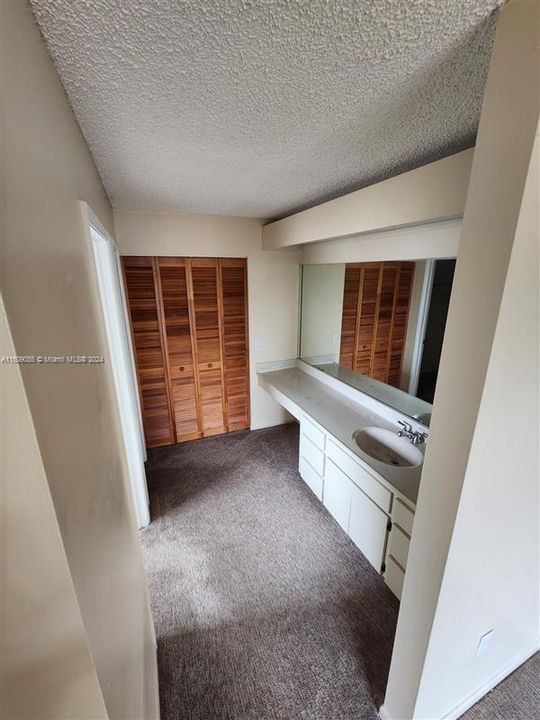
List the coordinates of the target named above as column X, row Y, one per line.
column 418, row 348
column 105, row 258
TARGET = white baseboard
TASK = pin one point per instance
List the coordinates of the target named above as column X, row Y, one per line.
column 494, row 680
column 458, row 710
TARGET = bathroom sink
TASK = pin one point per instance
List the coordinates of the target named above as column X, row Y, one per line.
column 387, row 447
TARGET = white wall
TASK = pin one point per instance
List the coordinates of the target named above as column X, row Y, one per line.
column 322, row 309
column 466, row 390
column 430, row 193
column 494, row 558
column 273, row 281
column 429, row 240
column 47, row 669
column 49, row 293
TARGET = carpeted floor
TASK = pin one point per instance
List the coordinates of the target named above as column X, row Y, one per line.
column 264, row 609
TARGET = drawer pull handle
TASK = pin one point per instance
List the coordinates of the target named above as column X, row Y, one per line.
column 210, row 365
column 182, row 368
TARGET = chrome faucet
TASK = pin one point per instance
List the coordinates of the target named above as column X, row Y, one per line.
column 406, row 431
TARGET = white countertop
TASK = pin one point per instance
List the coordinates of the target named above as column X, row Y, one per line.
column 341, row 416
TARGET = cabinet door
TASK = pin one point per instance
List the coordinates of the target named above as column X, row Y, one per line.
column 368, row 527
column 337, row 494
column 207, row 333
column 235, row 342
column 179, row 347
column 141, row 292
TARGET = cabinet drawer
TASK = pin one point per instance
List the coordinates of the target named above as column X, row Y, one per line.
column 394, row 577
column 403, row 517
column 379, row 494
column 367, row 527
column 398, row 546
column 337, row 494
column 314, row 433
column 312, row 479
column 312, row 454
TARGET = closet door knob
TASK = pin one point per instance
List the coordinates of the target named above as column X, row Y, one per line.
column 182, row 368
column 210, row 365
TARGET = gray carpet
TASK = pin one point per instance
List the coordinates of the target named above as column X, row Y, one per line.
column 517, row 697
column 264, row 609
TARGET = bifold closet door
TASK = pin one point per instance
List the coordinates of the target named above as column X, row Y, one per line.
column 174, row 279
column 189, row 324
column 207, row 332
column 235, row 342
column 140, row 277
column 374, row 322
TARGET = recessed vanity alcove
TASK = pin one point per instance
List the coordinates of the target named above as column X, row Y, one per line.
column 361, row 391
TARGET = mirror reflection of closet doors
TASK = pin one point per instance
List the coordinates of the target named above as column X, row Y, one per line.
column 195, row 337
column 376, row 303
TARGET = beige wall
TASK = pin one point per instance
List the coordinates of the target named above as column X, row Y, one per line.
column 470, row 398
column 47, row 669
column 273, row 281
column 430, row 240
column 50, row 303
column 494, row 555
column 433, row 192
column 322, row 309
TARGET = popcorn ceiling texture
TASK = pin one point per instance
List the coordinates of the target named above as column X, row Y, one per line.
column 261, row 108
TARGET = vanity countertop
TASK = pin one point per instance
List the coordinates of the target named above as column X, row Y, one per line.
column 341, row 416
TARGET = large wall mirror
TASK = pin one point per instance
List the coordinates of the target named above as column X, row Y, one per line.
column 378, row 327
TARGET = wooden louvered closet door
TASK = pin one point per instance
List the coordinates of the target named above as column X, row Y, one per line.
column 144, row 309
column 375, row 312
column 175, row 283
column 189, row 324
column 207, row 330
column 235, row 342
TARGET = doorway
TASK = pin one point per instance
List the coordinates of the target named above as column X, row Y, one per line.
column 112, row 301
column 441, row 290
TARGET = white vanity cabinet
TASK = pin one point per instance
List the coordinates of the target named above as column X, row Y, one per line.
column 368, row 527
column 378, row 521
column 397, row 549
column 337, row 496
column 367, row 505
column 312, row 455
column 357, row 501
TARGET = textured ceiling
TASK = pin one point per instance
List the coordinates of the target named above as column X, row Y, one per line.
column 264, row 107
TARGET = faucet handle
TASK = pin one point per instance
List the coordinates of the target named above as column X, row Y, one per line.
column 405, row 425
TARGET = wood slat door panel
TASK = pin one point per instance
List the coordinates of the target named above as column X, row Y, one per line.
column 175, row 301
column 140, row 283
column 399, row 328
column 235, row 342
column 376, row 303
column 207, row 331
column 353, row 274
column 366, row 317
column 388, row 277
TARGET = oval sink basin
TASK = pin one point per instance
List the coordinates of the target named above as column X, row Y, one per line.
column 387, row 447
